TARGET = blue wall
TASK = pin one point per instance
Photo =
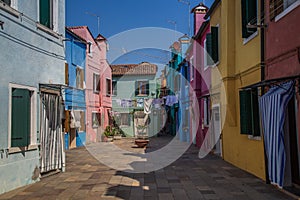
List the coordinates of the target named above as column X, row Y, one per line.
column 29, row 56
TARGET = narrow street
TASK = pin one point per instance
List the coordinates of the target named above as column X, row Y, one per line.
column 187, row 178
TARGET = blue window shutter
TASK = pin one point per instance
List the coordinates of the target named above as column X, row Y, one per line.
column 209, row 48
column 249, row 14
column 215, row 43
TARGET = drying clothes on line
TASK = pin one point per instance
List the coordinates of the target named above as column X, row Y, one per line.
column 157, row 103
column 147, row 106
column 171, row 100
column 140, row 103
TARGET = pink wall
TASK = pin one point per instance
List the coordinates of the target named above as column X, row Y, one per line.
column 200, row 82
column 95, row 63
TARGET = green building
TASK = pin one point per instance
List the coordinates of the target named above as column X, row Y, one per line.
column 135, row 87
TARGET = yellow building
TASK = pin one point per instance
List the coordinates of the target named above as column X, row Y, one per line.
column 236, row 52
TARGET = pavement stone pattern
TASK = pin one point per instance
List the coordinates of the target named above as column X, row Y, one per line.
column 187, row 178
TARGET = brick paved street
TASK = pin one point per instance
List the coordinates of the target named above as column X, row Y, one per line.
column 186, row 178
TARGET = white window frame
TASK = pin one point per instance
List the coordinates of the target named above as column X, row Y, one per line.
column 95, row 84
column 253, row 35
column 287, row 10
column 99, row 121
column 90, row 48
column 83, row 83
column 33, row 115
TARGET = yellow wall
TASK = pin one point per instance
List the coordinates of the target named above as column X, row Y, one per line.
column 239, row 66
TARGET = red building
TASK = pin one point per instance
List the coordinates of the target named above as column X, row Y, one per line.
column 282, row 64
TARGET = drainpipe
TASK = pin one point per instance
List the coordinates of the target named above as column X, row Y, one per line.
column 262, row 75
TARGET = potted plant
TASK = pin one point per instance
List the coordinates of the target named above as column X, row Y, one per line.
column 108, row 133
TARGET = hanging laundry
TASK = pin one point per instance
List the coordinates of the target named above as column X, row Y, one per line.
column 147, row 106
column 140, row 103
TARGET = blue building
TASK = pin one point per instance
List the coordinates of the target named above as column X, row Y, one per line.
column 32, row 68
column 75, row 130
column 184, row 88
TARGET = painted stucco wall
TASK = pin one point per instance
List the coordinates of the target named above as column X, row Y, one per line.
column 239, row 66
column 126, row 90
column 29, row 56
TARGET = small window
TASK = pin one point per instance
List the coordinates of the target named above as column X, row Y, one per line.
column 96, row 119
column 249, row 112
column 79, row 120
column 249, row 16
column 206, row 111
column 7, row 2
column 142, row 88
column 46, row 13
column 124, row 119
column 114, row 88
column 96, row 83
column 108, row 87
column 278, row 6
column 79, row 78
column 192, row 67
column 90, row 48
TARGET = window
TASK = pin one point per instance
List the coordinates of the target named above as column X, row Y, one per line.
column 249, row 16
column 79, row 120
column 48, row 13
column 22, row 113
column 278, row 6
column 206, row 111
column 114, row 88
column 249, row 113
column 108, row 87
column 7, row 2
column 96, row 119
column 66, row 73
column 177, row 83
column 142, row 88
column 90, row 48
column 96, row 83
column 20, row 117
column 79, row 78
column 124, row 119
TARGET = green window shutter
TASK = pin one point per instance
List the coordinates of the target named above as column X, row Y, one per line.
column 245, row 112
column 20, row 118
column 255, row 113
column 215, row 43
column 45, row 13
column 249, row 14
column 209, row 49
column 249, row 112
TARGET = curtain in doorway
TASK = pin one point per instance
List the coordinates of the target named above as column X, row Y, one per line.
column 272, row 106
column 52, row 156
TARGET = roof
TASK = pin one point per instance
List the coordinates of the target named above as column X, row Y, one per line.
column 143, row 68
column 100, row 37
column 212, row 8
column 75, row 35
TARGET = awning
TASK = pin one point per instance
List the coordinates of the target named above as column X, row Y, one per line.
column 272, row 108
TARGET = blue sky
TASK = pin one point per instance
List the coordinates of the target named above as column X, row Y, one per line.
column 122, row 22
column 121, row 15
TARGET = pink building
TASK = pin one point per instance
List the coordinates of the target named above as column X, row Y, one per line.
column 97, row 84
column 200, row 76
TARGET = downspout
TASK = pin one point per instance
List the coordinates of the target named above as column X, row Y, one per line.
column 262, row 75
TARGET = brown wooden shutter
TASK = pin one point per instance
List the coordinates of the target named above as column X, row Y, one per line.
column 66, row 73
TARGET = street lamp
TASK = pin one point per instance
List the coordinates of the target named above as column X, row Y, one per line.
column 189, row 19
column 98, row 19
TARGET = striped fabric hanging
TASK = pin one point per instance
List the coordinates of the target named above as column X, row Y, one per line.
column 272, row 106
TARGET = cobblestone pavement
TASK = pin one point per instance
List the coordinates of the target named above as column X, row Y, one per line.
column 186, row 178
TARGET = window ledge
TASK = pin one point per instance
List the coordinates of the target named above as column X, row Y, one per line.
column 9, row 9
column 250, row 137
column 12, row 150
column 246, row 40
column 47, row 30
column 287, row 10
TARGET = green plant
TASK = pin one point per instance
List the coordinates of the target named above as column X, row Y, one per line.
column 108, row 131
